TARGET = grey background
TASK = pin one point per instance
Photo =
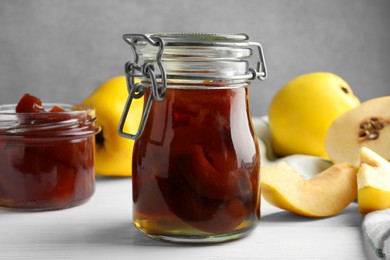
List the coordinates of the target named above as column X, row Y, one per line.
column 61, row 50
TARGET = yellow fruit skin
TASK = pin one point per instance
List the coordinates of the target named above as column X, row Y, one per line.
column 114, row 156
column 302, row 111
column 371, row 199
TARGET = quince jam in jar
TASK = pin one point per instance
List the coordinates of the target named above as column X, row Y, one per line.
column 196, row 160
column 46, row 155
column 196, row 166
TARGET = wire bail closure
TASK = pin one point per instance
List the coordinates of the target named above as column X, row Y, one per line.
column 158, row 91
column 261, row 72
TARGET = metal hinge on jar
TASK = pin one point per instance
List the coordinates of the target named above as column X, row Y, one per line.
column 158, row 87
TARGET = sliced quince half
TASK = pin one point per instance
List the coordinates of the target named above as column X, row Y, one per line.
column 325, row 194
column 367, row 125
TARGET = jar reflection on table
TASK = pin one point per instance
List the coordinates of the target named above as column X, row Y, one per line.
column 196, row 166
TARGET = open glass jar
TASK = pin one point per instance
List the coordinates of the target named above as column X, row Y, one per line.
column 46, row 158
column 196, row 159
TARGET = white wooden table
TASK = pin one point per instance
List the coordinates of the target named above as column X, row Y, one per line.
column 102, row 229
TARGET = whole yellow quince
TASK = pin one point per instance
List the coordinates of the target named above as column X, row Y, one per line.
column 301, row 112
column 113, row 152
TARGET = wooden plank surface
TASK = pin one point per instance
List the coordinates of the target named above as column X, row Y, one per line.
column 102, row 229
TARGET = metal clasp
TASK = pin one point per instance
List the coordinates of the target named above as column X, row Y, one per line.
column 158, row 92
column 261, row 71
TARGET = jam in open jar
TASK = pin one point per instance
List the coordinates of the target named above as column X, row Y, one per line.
column 196, row 160
column 46, row 155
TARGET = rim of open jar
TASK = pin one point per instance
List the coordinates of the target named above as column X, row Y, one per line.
column 77, row 121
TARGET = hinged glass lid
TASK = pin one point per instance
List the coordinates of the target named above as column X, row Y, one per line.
column 198, row 55
column 186, row 60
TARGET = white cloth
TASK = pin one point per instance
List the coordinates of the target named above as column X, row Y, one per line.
column 376, row 230
column 375, row 225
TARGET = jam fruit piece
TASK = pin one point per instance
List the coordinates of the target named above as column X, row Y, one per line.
column 204, row 214
column 76, row 153
column 28, row 104
column 48, row 184
column 204, row 178
column 56, row 109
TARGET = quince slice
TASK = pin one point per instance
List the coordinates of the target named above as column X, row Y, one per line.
column 371, row 158
column 373, row 182
column 326, row 194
